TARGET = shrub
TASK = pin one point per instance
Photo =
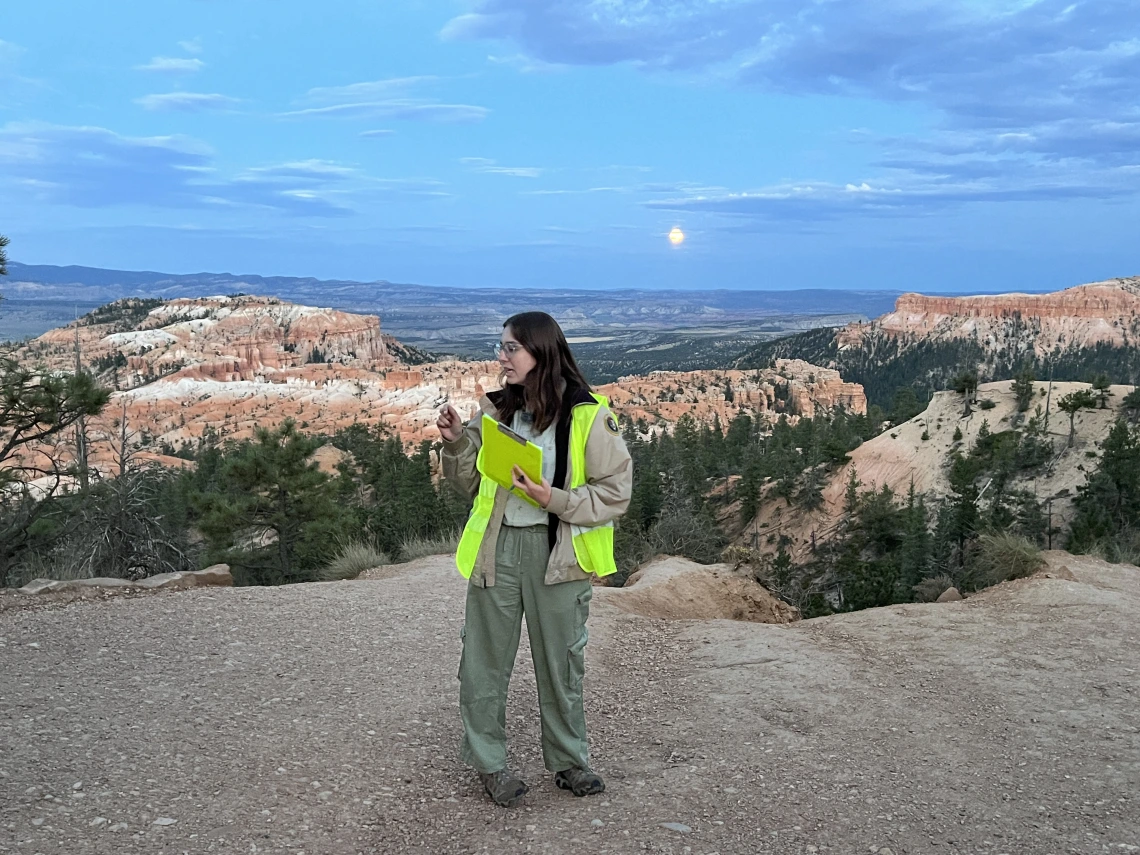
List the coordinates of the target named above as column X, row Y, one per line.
column 683, row 530
column 925, row 435
column 61, row 565
column 352, row 560
column 1122, row 548
column 986, row 404
column 1004, row 556
column 417, row 546
column 929, row 590
column 957, row 434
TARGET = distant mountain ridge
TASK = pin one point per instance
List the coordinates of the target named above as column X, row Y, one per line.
column 1074, row 334
column 94, row 283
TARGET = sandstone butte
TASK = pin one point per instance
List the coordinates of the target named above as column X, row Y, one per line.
column 1101, row 312
column 232, row 364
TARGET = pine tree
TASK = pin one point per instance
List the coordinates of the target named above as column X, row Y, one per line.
column 915, row 557
column 1023, row 388
column 275, row 518
column 1109, row 504
column 1100, row 389
column 1071, row 404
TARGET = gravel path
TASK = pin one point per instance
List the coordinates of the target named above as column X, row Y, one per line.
column 323, row 719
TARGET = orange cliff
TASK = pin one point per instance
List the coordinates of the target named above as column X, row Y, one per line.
column 1100, row 312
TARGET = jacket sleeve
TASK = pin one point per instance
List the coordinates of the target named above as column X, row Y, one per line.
column 609, row 483
column 458, row 458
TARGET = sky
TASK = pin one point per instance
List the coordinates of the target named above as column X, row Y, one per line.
column 954, row 145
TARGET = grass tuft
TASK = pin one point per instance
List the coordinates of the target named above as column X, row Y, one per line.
column 415, row 546
column 352, row 560
column 1004, row 556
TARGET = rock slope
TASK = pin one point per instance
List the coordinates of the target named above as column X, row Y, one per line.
column 1098, row 313
column 900, row 456
column 225, row 366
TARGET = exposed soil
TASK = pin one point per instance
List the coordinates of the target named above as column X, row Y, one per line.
column 323, row 719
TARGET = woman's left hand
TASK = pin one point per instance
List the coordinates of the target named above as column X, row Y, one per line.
column 539, row 492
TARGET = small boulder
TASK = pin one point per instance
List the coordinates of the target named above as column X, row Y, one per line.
column 40, row 586
column 215, row 574
column 950, row 595
column 173, row 581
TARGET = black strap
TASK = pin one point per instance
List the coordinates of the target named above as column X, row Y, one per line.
column 571, row 397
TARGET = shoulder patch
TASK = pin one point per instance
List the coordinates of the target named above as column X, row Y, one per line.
column 612, row 425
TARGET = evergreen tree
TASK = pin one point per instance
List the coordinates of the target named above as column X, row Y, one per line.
column 275, row 518
column 905, row 405
column 1100, row 390
column 966, row 384
column 1131, row 405
column 1023, row 388
column 915, row 554
column 35, row 409
column 1071, row 404
column 1108, row 506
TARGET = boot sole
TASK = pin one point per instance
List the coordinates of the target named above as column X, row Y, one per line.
column 588, row 791
column 513, row 801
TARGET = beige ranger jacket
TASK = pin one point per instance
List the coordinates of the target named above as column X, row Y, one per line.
column 603, row 498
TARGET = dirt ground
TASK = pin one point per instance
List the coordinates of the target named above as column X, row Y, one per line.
column 323, row 719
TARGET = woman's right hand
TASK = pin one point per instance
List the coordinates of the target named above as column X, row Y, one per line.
column 449, row 424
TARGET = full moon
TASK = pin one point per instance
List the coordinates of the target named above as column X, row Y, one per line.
column 676, row 236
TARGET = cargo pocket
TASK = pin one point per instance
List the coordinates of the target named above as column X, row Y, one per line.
column 583, row 603
column 577, row 659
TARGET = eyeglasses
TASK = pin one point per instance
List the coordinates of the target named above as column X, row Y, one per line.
column 510, row 348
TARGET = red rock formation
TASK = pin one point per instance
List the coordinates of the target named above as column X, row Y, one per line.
column 1082, row 316
column 794, row 388
column 230, row 365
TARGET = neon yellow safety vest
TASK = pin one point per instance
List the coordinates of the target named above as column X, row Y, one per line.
column 593, row 545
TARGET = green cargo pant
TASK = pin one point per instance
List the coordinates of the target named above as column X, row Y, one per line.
column 556, row 624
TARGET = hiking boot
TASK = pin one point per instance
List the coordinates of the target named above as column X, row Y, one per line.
column 581, row 782
column 503, row 787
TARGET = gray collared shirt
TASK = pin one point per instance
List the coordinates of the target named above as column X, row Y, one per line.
column 519, row 513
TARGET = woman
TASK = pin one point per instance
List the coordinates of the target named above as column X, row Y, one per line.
column 535, row 560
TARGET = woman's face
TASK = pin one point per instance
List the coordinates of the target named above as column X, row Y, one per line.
column 516, row 360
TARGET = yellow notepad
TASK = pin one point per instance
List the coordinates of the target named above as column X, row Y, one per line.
column 502, row 451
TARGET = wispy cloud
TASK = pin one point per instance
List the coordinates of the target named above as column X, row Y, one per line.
column 187, row 102
column 395, row 108
column 578, row 192
column 919, row 190
column 1052, row 85
column 193, row 45
column 526, row 64
column 12, row 83
column 91, row 167
column 490, row 167
column 378, row 133
column 9, row 57
column 391, row 99
column 370, row 90
column 172, row 65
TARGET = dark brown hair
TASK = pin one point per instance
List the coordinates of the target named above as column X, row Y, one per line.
column 540, row 393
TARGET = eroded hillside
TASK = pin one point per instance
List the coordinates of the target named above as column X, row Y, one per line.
column 918, row 452
column 1073, row 334
column 223, row 366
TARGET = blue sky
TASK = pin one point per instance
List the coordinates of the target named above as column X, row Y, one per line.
column 958, row 145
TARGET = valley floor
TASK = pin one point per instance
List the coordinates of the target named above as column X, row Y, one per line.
column 323, row 719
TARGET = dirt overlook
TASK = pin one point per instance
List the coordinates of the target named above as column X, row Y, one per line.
column 322, row 719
